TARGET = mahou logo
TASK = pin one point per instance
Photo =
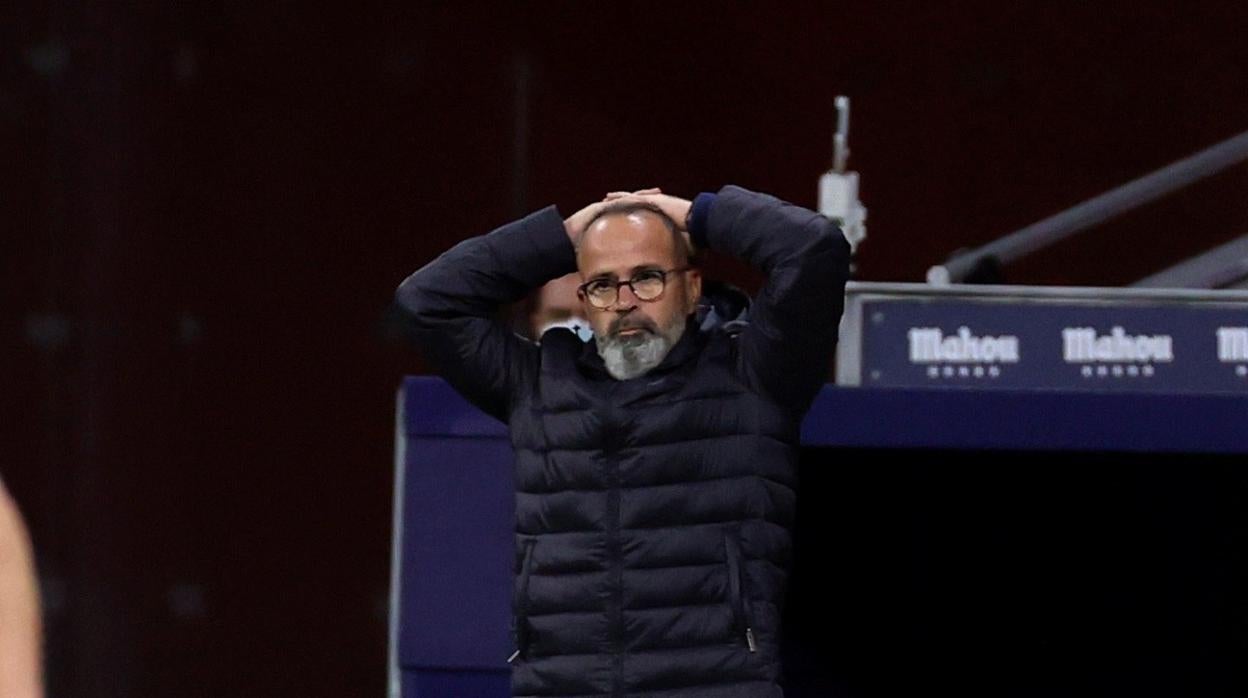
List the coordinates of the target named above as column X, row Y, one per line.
column 963, row 354
column 1084, row 345
column 1232, row 344
column 1233, row 348
column 930, row 345
column 1117, row 353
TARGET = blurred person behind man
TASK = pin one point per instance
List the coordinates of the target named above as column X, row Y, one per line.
column 556, row 304
column 20, row 627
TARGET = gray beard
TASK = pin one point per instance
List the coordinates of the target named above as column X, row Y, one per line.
column 630, row 357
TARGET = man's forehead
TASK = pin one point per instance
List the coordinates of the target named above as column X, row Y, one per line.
column 624, row 241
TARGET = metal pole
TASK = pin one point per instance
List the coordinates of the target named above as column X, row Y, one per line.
column 1098, row 209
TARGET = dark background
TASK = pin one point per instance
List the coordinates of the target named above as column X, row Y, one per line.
column 207, row 206
column 1018, row 574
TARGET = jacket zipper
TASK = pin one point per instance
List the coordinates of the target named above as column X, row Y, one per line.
column 738, row 591
column 522, row 604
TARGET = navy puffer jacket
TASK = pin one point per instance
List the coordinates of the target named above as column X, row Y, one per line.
column 653, row 515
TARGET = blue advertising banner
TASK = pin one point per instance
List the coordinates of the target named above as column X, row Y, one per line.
column 978, row 343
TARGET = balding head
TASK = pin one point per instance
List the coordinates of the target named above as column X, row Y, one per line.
column 640, row 208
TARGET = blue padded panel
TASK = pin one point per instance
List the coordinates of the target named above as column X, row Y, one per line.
column 456, row 684
column 455, row 602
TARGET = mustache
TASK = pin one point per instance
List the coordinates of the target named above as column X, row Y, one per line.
column 630, row 322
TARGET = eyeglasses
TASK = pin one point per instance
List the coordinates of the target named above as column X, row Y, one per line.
column 647, row 285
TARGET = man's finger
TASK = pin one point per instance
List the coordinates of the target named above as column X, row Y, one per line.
column 613, row 195
column 618, row 195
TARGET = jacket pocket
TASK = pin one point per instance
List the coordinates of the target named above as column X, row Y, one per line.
column 738, row 590
column 522, row 630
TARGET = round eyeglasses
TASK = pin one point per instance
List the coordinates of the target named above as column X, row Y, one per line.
column 647, row 285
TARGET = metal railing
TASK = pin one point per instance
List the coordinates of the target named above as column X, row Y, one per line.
column 1096, row 210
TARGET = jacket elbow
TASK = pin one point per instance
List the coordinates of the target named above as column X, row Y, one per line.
column 828, row 249
column 415, row 298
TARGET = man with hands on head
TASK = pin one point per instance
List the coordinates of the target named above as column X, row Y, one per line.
column 655, row 464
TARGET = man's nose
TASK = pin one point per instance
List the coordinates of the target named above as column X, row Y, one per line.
column 625, row 299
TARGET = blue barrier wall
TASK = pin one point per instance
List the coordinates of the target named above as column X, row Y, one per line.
column 455, row 553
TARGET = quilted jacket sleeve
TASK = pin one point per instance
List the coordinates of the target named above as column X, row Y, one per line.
column 451, row 306
column 793, row 323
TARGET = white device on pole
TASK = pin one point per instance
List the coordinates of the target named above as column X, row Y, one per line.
column 838, row 189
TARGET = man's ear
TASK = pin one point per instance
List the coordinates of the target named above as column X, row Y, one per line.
column 694, row 288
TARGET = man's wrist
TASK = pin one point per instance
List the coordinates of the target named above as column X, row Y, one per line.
column 696, row 220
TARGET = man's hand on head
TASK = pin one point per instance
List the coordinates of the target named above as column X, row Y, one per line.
column 674, row 207
column 575, row 224
column 614, row 195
